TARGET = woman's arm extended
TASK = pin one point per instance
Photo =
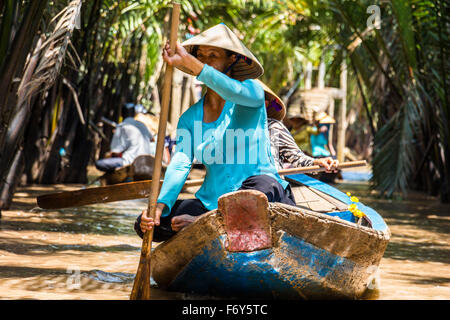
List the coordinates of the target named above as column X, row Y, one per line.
column 246, row 93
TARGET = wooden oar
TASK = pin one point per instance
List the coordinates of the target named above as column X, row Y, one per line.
column 141, row 189
column 311, row 169
column 115, row 192
column 141, row 286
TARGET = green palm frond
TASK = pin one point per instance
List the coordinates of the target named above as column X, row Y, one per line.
column 396, row 146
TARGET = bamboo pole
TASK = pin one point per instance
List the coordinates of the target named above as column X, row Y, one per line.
column 342, row 126
column 141, row 286
column 194, row 95
column 321, row 76
column 311, row 169
column 308, row 75
column 177, row 90
column 156, row 108
column 186, row 94
column 331, row 114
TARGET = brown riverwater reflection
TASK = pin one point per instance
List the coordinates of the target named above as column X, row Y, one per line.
column 92, row 252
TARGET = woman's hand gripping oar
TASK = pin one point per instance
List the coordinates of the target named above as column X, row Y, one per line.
column 141, row 286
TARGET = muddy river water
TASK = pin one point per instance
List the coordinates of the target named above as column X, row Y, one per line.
column 92, row 252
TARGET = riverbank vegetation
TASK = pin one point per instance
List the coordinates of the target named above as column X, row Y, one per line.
column 66, row 64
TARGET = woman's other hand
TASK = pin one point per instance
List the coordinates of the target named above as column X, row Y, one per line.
column 328, row 163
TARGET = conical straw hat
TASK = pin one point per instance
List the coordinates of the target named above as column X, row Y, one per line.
column 273, row 112
column 222, row 37
column 324, row 118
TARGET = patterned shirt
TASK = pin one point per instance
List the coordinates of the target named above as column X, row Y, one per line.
column 283, row 147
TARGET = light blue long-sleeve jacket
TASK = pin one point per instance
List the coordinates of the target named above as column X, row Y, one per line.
column 232, row 148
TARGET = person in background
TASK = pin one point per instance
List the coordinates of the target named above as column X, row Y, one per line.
column 131, row 139
column 141, row 116
column 320, row 145
column 168, row 146
column 284, row 150
column 300, row 129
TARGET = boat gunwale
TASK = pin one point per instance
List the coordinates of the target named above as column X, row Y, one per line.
column 372, row 215
column 382, row 234
column 209, row 226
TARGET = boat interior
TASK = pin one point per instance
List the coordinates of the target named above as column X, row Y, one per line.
column 311, row 199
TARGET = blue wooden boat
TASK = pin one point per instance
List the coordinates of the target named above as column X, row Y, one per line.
column 249, row 248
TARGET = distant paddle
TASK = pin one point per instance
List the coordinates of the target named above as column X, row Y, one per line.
column 141, row 286
column 141, row 189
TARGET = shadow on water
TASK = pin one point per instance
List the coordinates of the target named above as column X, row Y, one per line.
column 19, row 246
column 420, row 233
column 45, row 280
column 118, row 219
column 12, row 271
column 112, row 277
column 429, row 280
column 416, row 252
column 426, row 220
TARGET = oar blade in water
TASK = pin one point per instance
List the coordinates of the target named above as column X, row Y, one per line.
column 117, row 192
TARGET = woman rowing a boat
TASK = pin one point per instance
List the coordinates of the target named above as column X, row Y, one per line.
column 285, row 150
column 226, row 130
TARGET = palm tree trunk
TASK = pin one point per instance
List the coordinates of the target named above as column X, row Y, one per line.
column 15, row 61
column 9, row 186
column 342, row 125
column 17, row 126
column 6, row 27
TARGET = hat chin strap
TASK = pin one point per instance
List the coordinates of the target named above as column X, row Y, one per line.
column 238, row 57
column 274, row 104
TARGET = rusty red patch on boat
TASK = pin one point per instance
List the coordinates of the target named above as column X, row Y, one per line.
column 246, row 220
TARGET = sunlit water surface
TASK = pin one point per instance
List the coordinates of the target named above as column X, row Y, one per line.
column 92, row 252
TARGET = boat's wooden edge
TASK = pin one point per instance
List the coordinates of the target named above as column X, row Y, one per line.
column 185, row 245
column 360, row 244
column 321, row 215
column 363, row 245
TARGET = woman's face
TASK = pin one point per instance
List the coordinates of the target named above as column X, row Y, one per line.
column 215, row 57
column 323, row 127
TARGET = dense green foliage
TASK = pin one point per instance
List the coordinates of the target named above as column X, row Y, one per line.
column 398, row 73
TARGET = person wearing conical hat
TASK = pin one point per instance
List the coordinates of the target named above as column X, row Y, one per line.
column 226, row 130
column 320, row 145
column 284, row 149
column 301, row 129
column 324, row 118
